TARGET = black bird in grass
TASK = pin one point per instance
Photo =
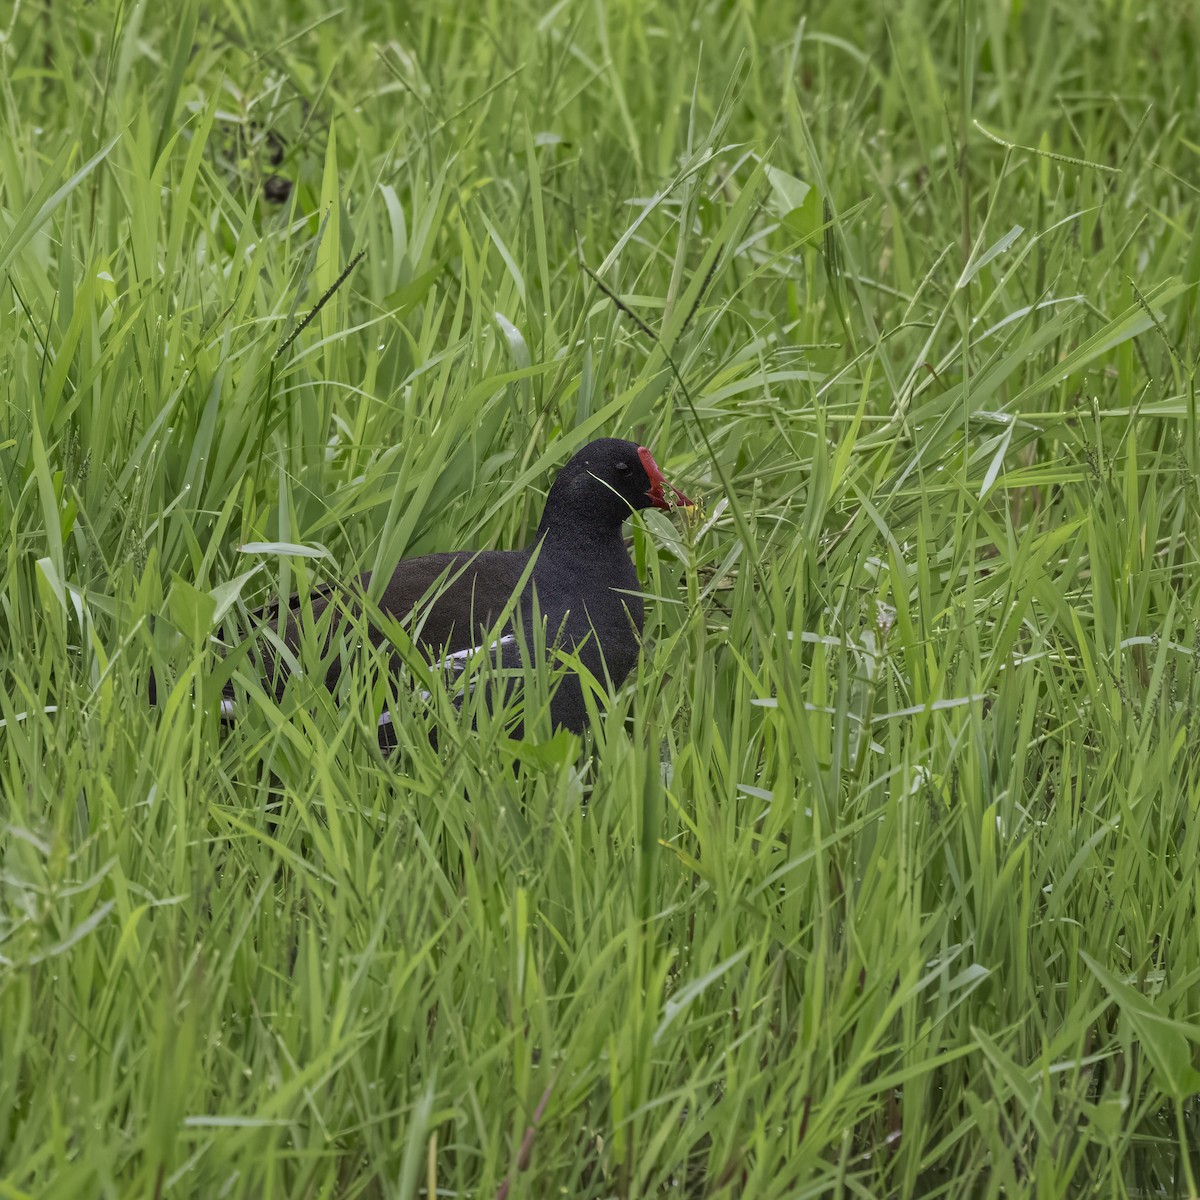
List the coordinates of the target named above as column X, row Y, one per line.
column 585, row 585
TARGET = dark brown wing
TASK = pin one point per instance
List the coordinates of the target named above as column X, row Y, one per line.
column 468, row 590
column 451, row 599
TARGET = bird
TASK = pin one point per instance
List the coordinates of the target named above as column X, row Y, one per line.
column 575, row 575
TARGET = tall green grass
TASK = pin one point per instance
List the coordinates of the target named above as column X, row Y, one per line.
column 880, row 878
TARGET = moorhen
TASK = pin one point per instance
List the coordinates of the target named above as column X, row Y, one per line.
column 585, row 585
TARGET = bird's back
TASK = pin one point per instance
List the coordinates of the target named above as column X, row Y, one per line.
column 448, row 601
column 458, row 596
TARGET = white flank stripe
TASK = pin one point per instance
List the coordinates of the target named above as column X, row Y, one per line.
column 460, row 656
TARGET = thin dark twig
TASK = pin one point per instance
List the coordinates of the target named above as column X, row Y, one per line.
column 320, row 304
column 621, row 305
column 726, row 484
column 45, row 344
column 523, row 1155
column 42, row 341
column 708, row 278
column 287, row 341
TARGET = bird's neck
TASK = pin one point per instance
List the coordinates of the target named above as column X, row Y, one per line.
column 591, row 547
column 587, row 562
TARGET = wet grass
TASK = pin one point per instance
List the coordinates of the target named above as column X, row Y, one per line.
column 880, row 877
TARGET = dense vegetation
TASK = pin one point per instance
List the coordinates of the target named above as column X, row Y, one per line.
column 881, row 876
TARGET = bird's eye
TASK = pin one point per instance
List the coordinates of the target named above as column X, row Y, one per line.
column 622, row 466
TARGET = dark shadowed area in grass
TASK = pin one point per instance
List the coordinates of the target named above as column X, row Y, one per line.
column 880, row 876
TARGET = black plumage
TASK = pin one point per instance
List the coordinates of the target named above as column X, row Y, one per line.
column 585, row 585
